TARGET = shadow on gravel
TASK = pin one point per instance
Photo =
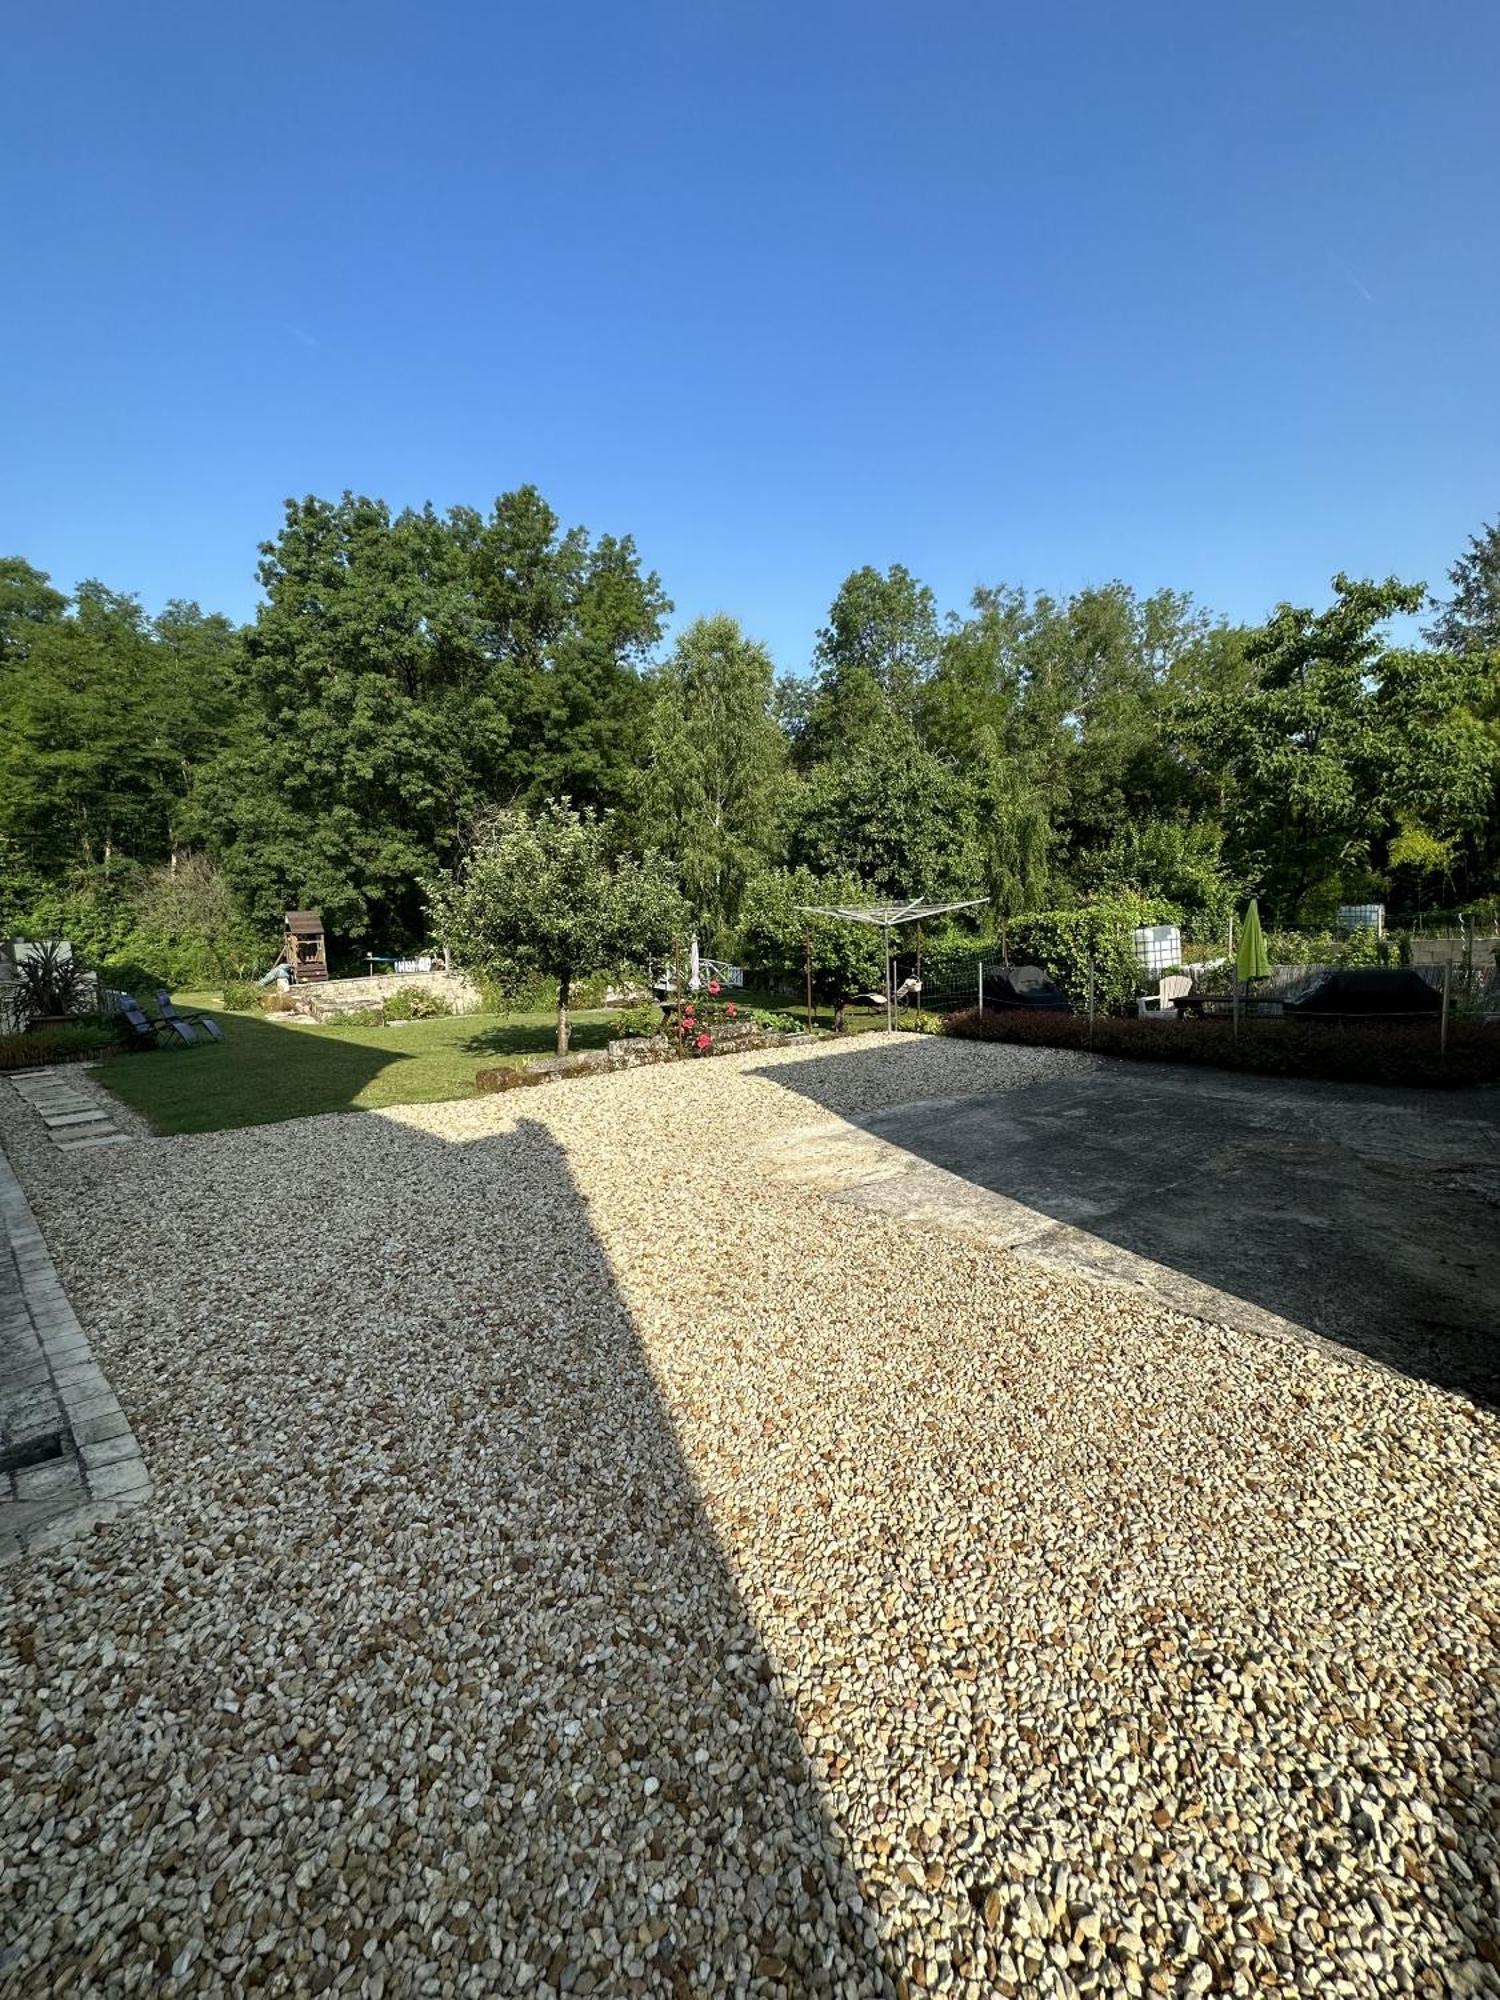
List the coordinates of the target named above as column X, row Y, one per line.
column 557, row 1726
column 1369, row 1216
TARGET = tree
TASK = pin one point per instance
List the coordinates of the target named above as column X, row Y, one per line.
column 1338, row 740
column 27, row 600
column 1469, row 620
column 549, row 894
column 717, row 766
column 410, row 670
column 777, row 932
column 105, row 717
column 895, row 816
column 379, row 731
column 872, row 661
column 568, row 625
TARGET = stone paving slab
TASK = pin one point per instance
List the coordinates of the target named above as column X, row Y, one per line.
column 68, row 1457
column 69, row 1107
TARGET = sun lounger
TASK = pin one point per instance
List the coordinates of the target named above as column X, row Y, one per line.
column 201, row 1024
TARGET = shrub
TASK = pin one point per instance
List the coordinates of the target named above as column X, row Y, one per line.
column 1066, row 942
column 776, row 1023
column 240, row 996
column 50, row 980
column 639, row 1020
column 49, row 1045
column 416, row 1003
column 1365, row 1052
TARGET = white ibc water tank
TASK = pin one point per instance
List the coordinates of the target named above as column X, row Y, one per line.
column 1157, row 946
column 1362, row 917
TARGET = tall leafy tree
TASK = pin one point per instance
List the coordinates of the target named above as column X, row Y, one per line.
column 716, row 766
column 1468, row 621
column 872, row 661
column 893, row 815
column 106, row 716
column 781, row 935
column 1339, row 741
column 550, row 893
column 379, row 730
column 568, row 624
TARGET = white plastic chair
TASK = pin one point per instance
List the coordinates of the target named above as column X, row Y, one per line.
column 1174, row 986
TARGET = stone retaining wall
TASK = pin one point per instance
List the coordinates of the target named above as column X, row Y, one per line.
column 636, row 1052
column 347, row 996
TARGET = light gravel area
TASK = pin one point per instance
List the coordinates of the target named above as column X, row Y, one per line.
column 582, row 1562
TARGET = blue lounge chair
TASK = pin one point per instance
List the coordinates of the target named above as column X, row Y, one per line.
column 197, row 1023
column 146, row 1033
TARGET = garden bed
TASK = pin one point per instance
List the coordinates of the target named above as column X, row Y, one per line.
column 1367, row 1052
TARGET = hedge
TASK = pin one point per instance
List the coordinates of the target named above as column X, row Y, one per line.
column 1399, row 1053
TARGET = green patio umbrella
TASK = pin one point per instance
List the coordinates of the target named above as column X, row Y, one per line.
column 1250, row 960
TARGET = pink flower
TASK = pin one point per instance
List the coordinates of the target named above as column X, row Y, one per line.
column 702, row 1042
column 731, row 1010
column 713, row 985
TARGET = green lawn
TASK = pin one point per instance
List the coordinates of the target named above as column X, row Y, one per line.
column 266, row 1070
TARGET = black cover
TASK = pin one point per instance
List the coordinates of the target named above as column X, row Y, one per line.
column 1023, row 986
column 1367, row 994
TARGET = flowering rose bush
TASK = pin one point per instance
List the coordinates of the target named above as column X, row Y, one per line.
column 697, row 1017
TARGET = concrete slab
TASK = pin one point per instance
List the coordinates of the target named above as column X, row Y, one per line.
column 1368, row 1218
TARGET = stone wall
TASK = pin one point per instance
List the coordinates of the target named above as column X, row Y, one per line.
column 347, row 996
column 636, row 1052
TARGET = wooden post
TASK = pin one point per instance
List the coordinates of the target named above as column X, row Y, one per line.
column 1443, row 1017
column 1234, row 992
column 807, row 954
column 1091, row 1003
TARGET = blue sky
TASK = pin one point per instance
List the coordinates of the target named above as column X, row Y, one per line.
column 1197, row 294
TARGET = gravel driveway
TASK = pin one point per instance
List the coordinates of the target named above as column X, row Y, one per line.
column 582, row 1563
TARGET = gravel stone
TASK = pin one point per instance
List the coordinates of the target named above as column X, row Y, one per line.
column 580, row 1562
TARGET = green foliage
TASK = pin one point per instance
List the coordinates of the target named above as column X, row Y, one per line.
column 406, row 669
column 636, row 1021
column 145, row 928
column 1390, row 1053
column 1067, row 942
column 61, row 1044
column 1170, row 861
column 416, row 1003
column 106, row 714
column 776, row 1021
column 894, row 816
column 775, row 931
column 716, row 771
column 1469, row 621
column 50, row 980
column 551, row 894
column 872, row 662
column 241, row 996
column 1337, row 740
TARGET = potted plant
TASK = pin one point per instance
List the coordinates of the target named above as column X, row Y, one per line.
column 52, row 987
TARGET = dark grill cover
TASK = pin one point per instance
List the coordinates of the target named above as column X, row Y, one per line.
column 1023, row 986
column 1367, row 994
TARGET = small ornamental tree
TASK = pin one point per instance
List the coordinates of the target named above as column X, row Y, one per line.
column 548, row 893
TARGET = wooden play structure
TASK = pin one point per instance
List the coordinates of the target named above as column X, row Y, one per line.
column 303, row 947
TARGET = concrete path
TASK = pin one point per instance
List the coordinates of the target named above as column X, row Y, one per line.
column 1366, row 1217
